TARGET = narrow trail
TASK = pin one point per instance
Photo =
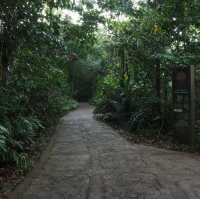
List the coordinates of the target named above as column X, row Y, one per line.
column 89, row 160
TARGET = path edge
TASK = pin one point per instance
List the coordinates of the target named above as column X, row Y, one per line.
column 18, row 191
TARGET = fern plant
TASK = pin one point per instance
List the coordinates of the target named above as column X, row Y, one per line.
column 4, row 135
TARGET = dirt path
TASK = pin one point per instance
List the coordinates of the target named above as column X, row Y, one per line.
column 89, row 160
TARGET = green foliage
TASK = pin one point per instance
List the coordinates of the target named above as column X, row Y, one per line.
column 145, row 114
column 141, row 50
column 4, row 134
column 37, row 90
column 124, row 6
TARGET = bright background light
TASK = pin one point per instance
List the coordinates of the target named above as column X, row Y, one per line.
column 75, row 18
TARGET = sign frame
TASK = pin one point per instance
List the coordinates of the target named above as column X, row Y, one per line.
column 183, row 86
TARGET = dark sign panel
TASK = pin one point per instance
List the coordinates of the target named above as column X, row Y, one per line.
column 181, row 79
column 181, row 89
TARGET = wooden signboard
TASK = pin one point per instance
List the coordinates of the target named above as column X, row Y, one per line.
column 181, row 78
column 181, row 89
column 184, row 97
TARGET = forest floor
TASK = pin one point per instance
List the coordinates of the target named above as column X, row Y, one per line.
column 87, row 159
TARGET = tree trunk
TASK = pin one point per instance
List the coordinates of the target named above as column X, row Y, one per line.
column 158, row 81
column 4, row 64
column 122, row 56
column 158, row 84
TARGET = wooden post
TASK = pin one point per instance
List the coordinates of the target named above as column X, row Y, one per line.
column 192, row 103
column 5, row 54
column 158, row 81
column 123, row 65
column 1, row 68
column 158, row 84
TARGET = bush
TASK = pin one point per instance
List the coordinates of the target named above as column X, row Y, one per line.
column 35, row 96
column 135, row 106
column 110, row 99
column 145, row 115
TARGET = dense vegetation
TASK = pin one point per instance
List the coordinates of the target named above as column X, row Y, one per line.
column 38, row 47
column 143, row 48
column 119, row 52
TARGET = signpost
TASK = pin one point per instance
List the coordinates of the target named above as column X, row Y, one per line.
column 184, row 100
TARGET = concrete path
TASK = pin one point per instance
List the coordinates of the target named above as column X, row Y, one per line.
column 89, row 160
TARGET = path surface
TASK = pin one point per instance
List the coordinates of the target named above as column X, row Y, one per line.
column 89, row 160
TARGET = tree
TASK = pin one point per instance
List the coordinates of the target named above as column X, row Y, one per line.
column 17, row 19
